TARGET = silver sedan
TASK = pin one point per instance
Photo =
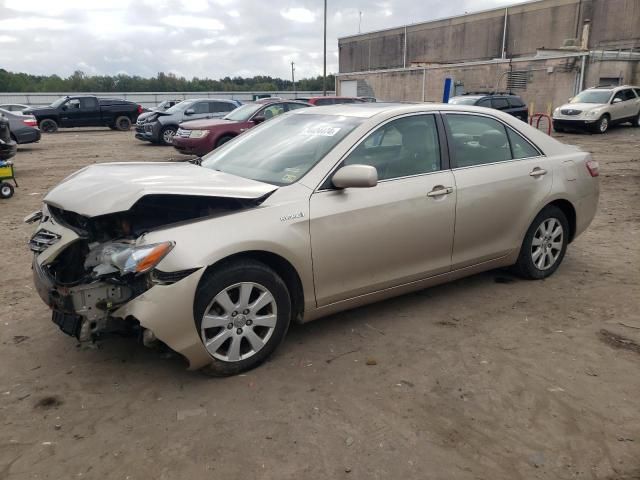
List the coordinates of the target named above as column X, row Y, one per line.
column 319, row 210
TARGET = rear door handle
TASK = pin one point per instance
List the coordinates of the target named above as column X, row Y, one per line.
column 439, row 190
column 537, row 172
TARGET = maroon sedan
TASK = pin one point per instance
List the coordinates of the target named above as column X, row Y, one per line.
column 199, row 137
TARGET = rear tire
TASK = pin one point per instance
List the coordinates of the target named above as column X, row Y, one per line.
column 48, row 126
column 246, row 305
column 544, row 244
column 636, row 121
column 123, row 123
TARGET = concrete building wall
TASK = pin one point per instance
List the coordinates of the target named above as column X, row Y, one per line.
column 544, row 24
column 550, row 82
column 615, row 23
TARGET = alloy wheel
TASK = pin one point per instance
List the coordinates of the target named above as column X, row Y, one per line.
column 604, row 124
column 239, row 321
column 167, row 135
column 547, row 243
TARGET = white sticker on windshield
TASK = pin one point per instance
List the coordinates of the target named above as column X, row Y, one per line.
column 320, row 131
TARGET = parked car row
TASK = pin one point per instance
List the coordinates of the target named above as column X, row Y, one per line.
column 594, row 109
column 199, row 137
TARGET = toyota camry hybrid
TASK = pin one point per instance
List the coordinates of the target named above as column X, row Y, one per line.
column 316, row 211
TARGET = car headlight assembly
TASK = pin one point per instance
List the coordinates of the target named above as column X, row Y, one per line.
column 198, row 133
column 131, row 259
column 592, row 113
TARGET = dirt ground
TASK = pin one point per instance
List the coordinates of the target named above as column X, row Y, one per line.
column 489, row 377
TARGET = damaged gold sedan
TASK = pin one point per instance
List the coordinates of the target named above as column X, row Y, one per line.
column 316, row 211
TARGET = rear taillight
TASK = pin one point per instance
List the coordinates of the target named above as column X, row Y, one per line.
column 30, row 122
column 593, row 167
column 139, row 109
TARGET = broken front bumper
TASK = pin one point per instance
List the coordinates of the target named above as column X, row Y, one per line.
column 159, row 302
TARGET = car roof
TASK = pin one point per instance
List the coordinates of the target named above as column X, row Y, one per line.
column 369, row 110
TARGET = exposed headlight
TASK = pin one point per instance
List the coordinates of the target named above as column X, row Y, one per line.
column 556, row 111
column 198, row 133
column 593, row 113
column 131, row 259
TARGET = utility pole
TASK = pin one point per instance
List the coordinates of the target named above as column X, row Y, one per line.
column 324, row 70
column 293, row 79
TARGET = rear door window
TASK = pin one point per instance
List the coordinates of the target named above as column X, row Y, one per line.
column 324, row 101
column 500, row 103
column 515, row 102
column 200, row 107
column 485, row 102
column 477, row 140
column 89, row 103
column 218, row 107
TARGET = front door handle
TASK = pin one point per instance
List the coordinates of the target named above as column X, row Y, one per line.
column 537, row 172
column 439, row 190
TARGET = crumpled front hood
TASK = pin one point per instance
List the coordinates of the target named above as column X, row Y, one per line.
column 115, row 187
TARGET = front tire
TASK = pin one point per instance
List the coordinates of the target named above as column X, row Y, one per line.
column 48, row 126
column 242, row 311
column 166, row 135
column 544, row 244
column 602, row 125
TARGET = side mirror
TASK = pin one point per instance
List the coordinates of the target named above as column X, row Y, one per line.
column 355, row 176
column 64, row 108
column 258, row 119
column 189, row 111
column 616, row 100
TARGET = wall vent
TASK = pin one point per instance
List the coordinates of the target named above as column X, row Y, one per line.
column 517, row 80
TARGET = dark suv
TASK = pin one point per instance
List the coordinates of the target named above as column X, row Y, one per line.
column 509, row 103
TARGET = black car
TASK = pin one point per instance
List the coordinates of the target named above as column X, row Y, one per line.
column 8, row 146
column 507, row 102
column 86, row 111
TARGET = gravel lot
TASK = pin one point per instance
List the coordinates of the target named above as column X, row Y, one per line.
column 490, row 377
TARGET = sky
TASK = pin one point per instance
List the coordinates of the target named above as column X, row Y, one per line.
column 197, row 38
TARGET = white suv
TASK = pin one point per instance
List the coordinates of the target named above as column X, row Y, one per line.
column 599, row 107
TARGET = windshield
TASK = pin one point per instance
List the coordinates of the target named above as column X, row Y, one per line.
column 592, row 96
column 242, row 114
column 179, row 107
column 282, row 150
column 463, row 100
column 59, row 102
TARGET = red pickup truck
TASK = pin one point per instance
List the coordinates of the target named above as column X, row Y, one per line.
column 199, row 137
